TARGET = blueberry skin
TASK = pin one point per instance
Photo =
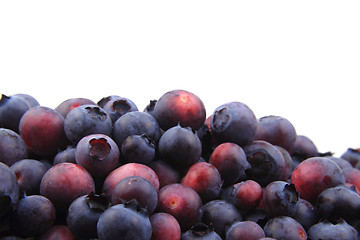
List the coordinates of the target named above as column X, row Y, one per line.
column 233, row 122
column 221, row 215
column 33, row 215
column 123, row 221
column 284, row 228
column 11, row 110
column 200, row 231
column 12, row 147
column 267, row 162
column 280, row 199
column 180, row 147
column 136, row 123
column 85, row 120
column 29, row 173
column 84, row 213
column 32, row 101
column 118, row 106
column 339, row 202
column 67, row 155
column 9, row 189
column 138, row 148
column 329, row 231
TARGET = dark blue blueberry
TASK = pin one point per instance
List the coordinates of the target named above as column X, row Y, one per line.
column 138, row 148
column 180, row 147
column 33, row 215
column 267, row 162
column 200, row 231
column 11, row 110
column 118, row 106
column 29, row 173
column 136, row 123
column 220, row 214
column 234, row 122
column 84, row 213
column 333, row 231
column 85, row 120
column 125, row 221
column 9, row 189
column 12, row 147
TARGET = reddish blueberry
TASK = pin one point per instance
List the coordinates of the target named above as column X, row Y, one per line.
column 180, row 107
column 66, row 106
column 129, row 170
column 160, row 231
column 205, row 179
column 42, row 130
column 231, row 162
column 65, row 182
column 182, row 202
column 314, row 175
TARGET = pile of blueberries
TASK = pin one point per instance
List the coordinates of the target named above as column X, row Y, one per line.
column 105, row 170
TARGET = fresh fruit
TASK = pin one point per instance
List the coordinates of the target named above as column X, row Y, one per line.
column 84, row 213
column 33, row 215
column 12, row 147
column 85, row 120
column 233, row 122
column 98, row 154
column 42, row 130
column 110, row 171
column 230, row 160
column 160, row 231
column 180, row 147
column 12, row 109
column 124, row 221
column 65, row 182
column 314, row 175
column 179, row 107
column 182, row 202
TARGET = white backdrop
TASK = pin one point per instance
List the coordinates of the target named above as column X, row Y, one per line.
column 296, row 59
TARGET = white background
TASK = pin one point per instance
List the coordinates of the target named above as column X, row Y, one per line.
column 295, row 59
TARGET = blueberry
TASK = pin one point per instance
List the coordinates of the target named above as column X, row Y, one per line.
column 85, row 120
column 245, row 230
column 340, row 230
column 136, row 123
column 29, row 173
column 233, row 122
column 118, row 106
column 33, row 215
column 66, row 106
column 98, row 154
column 12, row 147
column 9, row 190
column 276, row 130
column 137, row 188
column 200, row 231
column 267, row 162
column 280, row 199
column 180, row 147
column 179, row 107
column 11, row 110
column 220, row 214
column 138, row 148
column 284, row 228
column 126, row 221
column 84, row 213
column 338, row 202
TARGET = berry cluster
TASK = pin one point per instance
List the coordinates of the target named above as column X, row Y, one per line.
column 106, row 170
